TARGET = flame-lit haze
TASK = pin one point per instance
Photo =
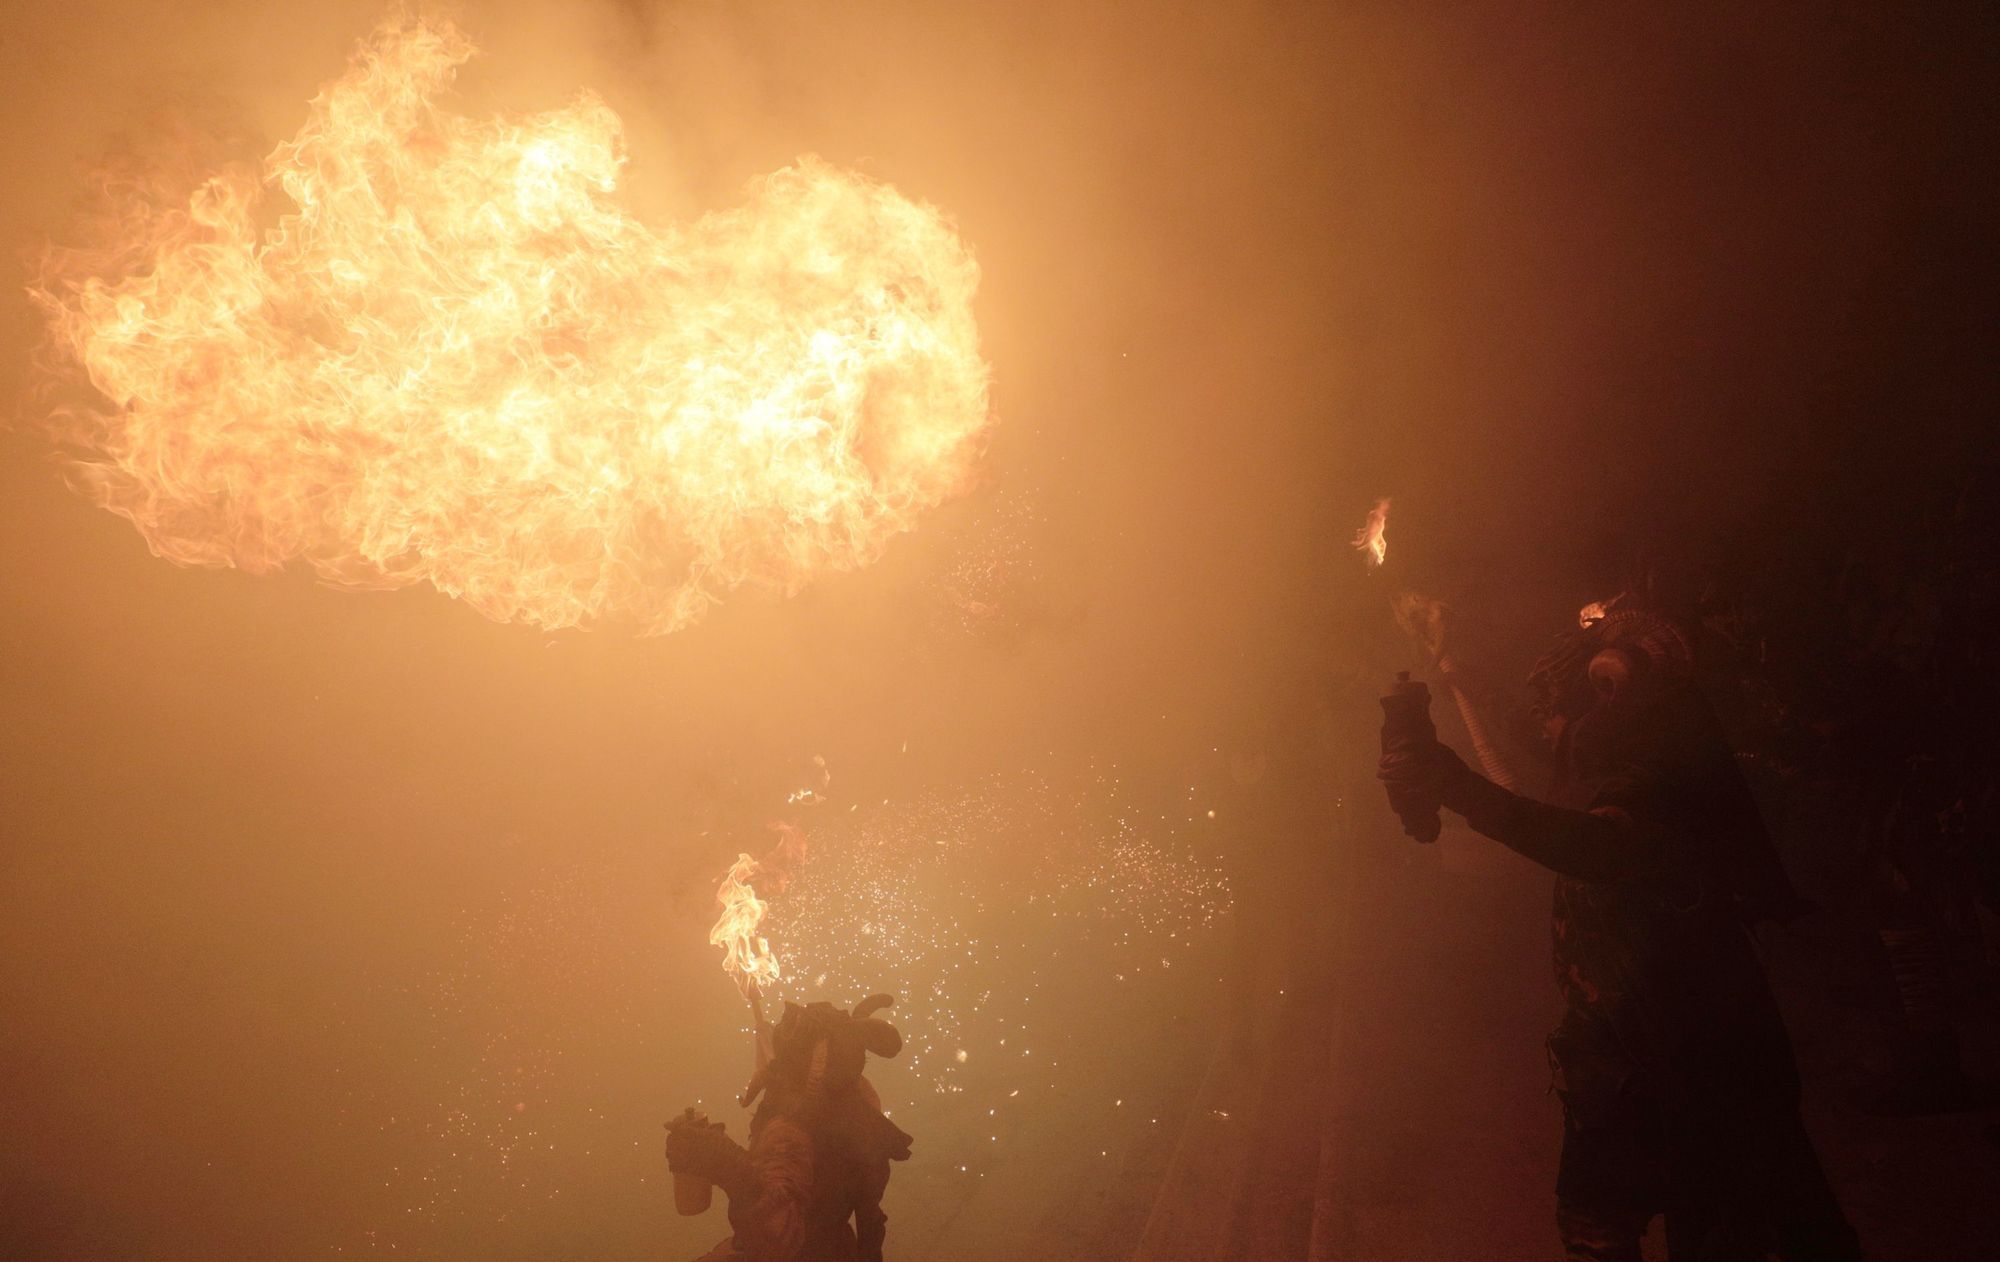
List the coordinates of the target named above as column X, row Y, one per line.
column 420, row 347
column 338, row 925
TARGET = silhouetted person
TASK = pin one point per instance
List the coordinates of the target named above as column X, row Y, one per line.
column 809, row 1187
column 1679, row 1090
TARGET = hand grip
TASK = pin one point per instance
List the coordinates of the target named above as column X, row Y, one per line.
column 1408, row 734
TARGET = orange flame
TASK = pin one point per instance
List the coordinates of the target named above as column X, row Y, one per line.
column 746, row 954
column 419, row 347
column 1373, row 537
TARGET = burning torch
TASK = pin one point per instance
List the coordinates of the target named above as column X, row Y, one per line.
column 1407, row 730
column 747, row 958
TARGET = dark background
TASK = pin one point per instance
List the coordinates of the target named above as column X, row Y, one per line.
column 283, row 865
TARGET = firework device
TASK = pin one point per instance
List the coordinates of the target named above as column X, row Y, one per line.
column 1407, row 734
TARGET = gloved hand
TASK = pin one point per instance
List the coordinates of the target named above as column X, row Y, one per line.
column 1419, row 778
column 704, row 1149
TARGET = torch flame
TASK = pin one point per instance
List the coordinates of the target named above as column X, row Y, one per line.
column 452, row 359
column 746, row 955
column 1373, row 538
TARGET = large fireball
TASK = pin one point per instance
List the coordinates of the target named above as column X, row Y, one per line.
column 418, row 347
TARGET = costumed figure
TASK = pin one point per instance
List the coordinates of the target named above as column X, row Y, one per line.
column 1679, row 1089
column 809, row 1186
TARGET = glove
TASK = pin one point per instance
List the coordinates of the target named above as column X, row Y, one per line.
column 704, row 1149
column 1420, row 779
column 1430, row 770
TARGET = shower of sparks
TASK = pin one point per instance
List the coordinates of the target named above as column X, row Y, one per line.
column 1041, row 930
column 506, row 1099
column 411, row 346
column 992, row 587
column 945, row 897
column 1373, row 537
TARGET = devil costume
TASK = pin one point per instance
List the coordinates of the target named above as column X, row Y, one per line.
column 809, row 1187
column 1679, row 1090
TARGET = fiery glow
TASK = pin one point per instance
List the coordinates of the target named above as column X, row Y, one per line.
column 417, row 347
column 746, row 955
column 1591, row 614
column 1373, row 537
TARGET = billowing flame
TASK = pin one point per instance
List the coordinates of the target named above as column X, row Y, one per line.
column 1373, row 538
column 419, row 347
column 746, row 955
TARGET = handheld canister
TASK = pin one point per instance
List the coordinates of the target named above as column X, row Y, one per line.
column 692, row 1193
column 1407, row 733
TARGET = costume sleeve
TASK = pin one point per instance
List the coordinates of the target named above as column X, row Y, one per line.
column 773, row 1228
column 1603, row 844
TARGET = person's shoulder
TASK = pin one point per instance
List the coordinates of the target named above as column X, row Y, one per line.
column 1638, row 791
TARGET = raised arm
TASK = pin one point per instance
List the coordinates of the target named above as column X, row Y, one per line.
column 1602, row 844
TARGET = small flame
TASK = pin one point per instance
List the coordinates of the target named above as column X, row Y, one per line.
column 1591, row 614
column 1373, row 537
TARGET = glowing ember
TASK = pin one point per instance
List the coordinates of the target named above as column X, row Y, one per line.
column 452, row 359
column 746, row 955
column 1591, row 614
column 1373, row 538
